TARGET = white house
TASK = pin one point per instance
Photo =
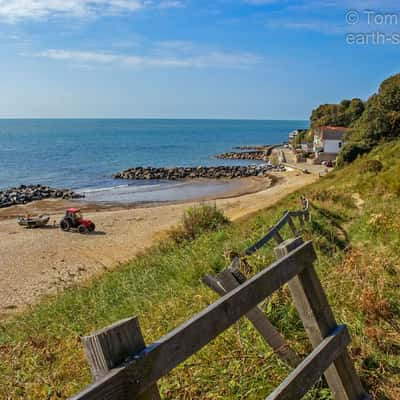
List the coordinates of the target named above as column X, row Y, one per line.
column 328, row 140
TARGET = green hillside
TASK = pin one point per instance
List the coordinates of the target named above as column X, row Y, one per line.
column 355, row 228
column 371, row 122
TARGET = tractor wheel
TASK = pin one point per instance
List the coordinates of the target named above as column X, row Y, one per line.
column 82, row 229
column 92, row 227
column 65, row 225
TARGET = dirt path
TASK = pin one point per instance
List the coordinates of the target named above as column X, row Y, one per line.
column 38, row 262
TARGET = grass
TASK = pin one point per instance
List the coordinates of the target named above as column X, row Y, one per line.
column 355, row 231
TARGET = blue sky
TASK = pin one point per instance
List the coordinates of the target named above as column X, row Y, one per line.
column 260, row 59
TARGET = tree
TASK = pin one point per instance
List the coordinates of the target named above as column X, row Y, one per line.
column 373, row 122
column 343, row 114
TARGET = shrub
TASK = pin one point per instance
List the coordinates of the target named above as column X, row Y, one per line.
column 197, row 220
column 374, row 166
column 351, row 151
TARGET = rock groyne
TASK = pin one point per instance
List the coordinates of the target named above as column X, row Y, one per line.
column 256, row 153
column 256, row 147
column 180, row 173
column 244, row 155
column 27, row 193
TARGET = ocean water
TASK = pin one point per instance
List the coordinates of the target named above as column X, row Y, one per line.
column 83, row 154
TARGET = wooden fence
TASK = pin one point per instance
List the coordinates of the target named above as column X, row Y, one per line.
column 287, row 219
column 123, row 367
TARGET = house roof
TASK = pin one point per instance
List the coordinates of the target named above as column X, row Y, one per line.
column 332, row 132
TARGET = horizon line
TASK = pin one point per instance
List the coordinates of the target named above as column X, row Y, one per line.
column 149, row 118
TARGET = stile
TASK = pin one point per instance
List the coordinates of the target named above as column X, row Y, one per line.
column 156, row 360
column 227, row 282
column 318, row 319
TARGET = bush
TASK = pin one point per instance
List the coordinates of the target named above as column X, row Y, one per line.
column 351, row 151
column 197, row 220
column 374, row 166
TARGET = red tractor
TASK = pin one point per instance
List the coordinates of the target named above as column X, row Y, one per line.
column 73, row 220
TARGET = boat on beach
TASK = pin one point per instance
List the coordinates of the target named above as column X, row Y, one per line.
column 33, row 222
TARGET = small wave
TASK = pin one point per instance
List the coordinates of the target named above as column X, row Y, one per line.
column 103, row 189
column 127, row 187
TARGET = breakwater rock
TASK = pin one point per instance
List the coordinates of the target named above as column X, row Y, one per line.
column 179, row 173
column 244, row 155
column 257, row 147
column 26, row 194
column 256, row 153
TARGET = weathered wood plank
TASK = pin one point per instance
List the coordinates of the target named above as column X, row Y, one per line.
column 318, row 320
column 162, row 356
column 270, row 234
column 213, row 284
column 300, row 381
column 263, row 325
column 111, row 347
column 301, row 219
column 292, row 225
column 278, row 237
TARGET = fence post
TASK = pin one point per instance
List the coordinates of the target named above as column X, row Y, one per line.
column 110, row 347
column 319, row 322
column 278, row 237
column 292, row 225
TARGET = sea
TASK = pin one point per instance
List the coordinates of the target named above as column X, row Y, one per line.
column 83, row 154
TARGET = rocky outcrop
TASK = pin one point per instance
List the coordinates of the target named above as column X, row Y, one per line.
column 26, row 194
column 179, row 173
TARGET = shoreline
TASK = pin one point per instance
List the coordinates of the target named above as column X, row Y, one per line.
column 52, row 207
column 40, row 262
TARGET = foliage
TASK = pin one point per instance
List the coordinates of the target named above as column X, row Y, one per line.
column 197, row 220
column 372, row 166
column 351, row 151
column 373, row 122
column 343, row 114
column 380, row 121
column 302, row 136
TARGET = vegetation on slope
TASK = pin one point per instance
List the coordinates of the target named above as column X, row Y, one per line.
column 355, row 228
column 343, row 114
column 198, row 220
column 373, row 122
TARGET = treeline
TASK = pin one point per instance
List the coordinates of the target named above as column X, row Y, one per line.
column 372, row 122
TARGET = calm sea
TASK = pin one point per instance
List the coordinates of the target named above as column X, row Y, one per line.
column 83, row 154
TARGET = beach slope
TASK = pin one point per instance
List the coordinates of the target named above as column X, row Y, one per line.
column 39, row 262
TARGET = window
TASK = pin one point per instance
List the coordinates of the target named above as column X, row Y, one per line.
column 340, row 145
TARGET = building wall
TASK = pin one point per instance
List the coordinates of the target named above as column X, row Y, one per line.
column 332, row 146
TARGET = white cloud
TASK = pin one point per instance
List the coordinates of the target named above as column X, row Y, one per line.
column 14, row 10
column 212, row 59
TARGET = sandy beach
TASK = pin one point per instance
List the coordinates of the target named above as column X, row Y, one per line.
column 37, row 262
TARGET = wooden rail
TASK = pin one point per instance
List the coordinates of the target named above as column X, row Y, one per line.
column 287, row 219
column 231, row 278
column 124, row 368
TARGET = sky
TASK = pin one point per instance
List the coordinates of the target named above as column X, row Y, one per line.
column 244, row 59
